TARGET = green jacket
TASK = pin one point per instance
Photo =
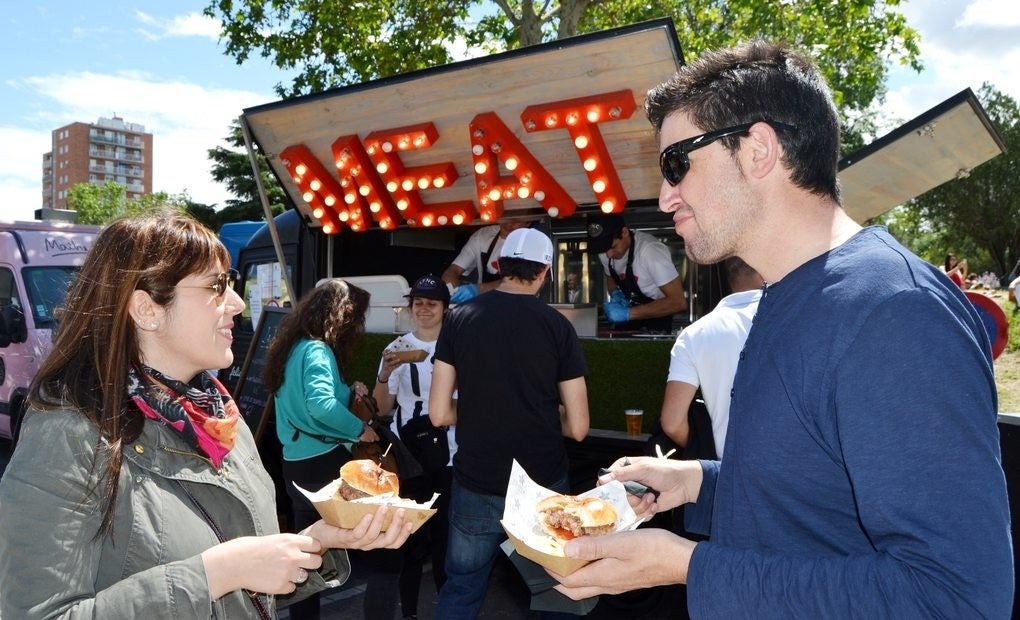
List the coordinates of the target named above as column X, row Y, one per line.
column 150, row 567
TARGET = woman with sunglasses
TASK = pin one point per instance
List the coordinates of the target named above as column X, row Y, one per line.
column 137, row 490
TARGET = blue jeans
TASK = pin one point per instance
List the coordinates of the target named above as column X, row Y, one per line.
column 475, row 536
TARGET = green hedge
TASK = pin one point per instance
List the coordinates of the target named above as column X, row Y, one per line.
column 622, row 374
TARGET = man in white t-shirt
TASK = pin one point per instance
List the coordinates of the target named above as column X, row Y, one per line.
column 644, row 286
column 706, row 355
column 479, row 256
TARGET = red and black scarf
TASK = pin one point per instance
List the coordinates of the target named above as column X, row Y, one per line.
column 202, row 412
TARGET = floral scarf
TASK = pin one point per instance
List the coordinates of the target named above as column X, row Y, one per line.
column 202, row 412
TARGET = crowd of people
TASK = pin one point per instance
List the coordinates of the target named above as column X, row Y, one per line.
column 851, row 480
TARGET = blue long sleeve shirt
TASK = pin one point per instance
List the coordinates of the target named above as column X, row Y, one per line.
column 862, row 476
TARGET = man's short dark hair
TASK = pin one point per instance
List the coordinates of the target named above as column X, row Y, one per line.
column 519, row 268
column 760, row 80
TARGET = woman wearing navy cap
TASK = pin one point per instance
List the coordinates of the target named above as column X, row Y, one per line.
column 403, row 388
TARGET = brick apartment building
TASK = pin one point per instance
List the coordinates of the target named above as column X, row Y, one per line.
column 108, row 150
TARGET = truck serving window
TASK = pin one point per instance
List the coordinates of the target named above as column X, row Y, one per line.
column 46, row 289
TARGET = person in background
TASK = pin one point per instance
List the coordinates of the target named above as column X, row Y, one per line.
column 1014, row 288
column 645, row 290
column 955, row 269
column 403, row 388
column 573, row 288
column 519, row 373
column 314, row 422
column 705, row 355
column 136, row 490
column 858, row 481
column 479, row 256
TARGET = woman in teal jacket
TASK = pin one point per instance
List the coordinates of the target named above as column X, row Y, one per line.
column 314, row 422
column 136, row 490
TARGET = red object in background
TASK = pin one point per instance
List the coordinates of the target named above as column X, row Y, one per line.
column 994, row 319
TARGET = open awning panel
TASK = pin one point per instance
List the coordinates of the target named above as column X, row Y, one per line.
column 944, row 143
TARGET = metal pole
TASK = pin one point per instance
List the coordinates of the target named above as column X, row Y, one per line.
column 289, row 290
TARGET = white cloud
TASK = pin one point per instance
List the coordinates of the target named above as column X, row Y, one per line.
column 963, row 44
column 21, row 172
column 991, row 14
column 188, row 25
column 186, row 120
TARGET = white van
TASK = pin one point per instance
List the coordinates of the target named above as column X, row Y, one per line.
column 38, row 260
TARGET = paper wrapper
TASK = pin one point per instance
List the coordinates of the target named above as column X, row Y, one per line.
column 411, row 355
column 405, row 351
column 341, row 513
column 521, row 521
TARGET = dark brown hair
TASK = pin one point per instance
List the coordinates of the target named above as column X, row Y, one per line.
column 333, row 312
column 760, row 81
column 96, row 345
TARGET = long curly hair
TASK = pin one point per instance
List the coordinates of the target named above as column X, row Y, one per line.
column 333, row 312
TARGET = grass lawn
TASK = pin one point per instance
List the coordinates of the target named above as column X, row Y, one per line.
column 1007, row 366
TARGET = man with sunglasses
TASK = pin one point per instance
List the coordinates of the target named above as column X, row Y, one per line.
column 643, row 284
column 857, row 481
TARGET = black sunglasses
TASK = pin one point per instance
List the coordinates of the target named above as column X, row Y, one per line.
column 673, row 161
column 224, row 281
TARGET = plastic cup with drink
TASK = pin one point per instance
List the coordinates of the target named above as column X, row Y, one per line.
column 634, row 417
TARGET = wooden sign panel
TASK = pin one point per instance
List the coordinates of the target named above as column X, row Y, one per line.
column 363, row 143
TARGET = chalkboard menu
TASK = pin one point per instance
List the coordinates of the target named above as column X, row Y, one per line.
column 250, row 394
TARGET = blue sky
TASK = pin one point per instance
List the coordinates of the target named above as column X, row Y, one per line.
column 160, row 64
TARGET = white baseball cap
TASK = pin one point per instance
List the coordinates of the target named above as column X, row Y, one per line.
column 529, row 244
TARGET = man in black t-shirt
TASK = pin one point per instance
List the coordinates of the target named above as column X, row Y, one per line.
column 520, row 375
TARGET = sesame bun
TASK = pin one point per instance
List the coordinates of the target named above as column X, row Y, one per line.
column 362, row 478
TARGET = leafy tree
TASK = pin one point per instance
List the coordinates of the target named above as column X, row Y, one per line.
column 101, row 204
column 852, row 40
column 97, row 204
column 233, row 167
column 982, row 210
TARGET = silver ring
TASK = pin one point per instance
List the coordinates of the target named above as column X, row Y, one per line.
column 302, row 576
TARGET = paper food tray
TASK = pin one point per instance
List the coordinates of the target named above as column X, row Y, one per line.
column 521, row 522
column 341, row 513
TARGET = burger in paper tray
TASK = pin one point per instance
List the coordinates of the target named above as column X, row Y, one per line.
column 539, row 521
column 405, row 351
column 361, row 488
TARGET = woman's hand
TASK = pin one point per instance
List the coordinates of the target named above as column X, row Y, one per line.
column 367, row 534
column 359, row 389
column 272, row 564
column 389, row 364
column 369, row 435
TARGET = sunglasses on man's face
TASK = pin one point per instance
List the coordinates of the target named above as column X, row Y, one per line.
column 224, row 281
column 673, row 160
